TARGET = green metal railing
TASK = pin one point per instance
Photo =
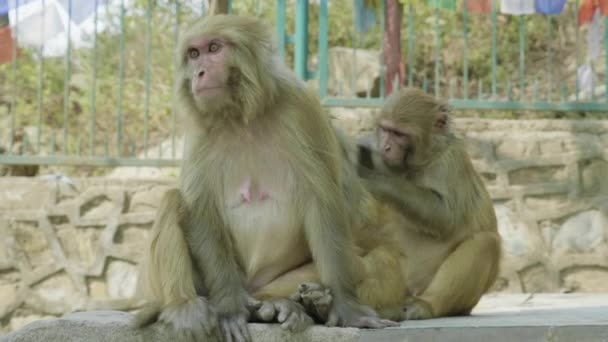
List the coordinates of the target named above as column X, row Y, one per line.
column 108, row 104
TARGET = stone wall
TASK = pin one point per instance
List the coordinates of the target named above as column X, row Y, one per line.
column 67, row 248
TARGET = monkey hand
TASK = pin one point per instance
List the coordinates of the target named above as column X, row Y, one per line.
column 194, row 319
column 347, row 313
column 233, row 315
column 290, row 314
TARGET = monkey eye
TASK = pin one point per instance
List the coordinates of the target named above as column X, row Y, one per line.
column 398, row 134
column 193, row 53
column 214, row 47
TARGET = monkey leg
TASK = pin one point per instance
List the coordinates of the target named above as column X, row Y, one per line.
column 466, row 274
column 382, row 285
column 166, row 278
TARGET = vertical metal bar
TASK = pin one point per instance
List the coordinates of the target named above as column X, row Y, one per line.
column 436, row 57
column 301, row 39
column 229, row 3
column 577, row 52
column 410, row 45
column 382, row 62
column 494, row 26
column 522, row 56
column 40, row 78
column 465, row 51
column 94, row 85
column 147, row 74
column 353, row 77
column 323, row 48
column 281, row 32
column 14, row 67
column 606, row 58
column 174, row 110
column 550, row 58
column 66, row 85
column 258, row 8
column 121, row 76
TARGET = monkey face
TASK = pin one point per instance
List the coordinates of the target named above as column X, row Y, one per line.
column 394, row 143
column 206, row 67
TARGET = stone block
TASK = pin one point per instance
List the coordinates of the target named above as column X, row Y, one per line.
column 121, row 279
column 581, row 233
column 148, row 199
column 594, row 177
column 516, row 149
column 588, row 279
column 535, row 175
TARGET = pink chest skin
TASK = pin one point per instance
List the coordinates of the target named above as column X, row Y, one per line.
column 251, row 192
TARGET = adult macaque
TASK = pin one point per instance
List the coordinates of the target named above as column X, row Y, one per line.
column 260, row 206
column 449, row 226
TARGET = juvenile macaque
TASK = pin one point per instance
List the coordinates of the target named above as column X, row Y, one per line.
column 422, row 170
column 260, row 207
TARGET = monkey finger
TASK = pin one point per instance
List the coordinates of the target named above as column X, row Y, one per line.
column 242, row 325
column 253, row 304
column 225, row 330
column 283, row 311
column 266, row 312
column 235, row 331
column 332, row 320
column 375, row 323
column 291, row 322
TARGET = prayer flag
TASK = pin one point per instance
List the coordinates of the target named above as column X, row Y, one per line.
column 587, row 10
column 550, row 6
column 517, row 7
column 479, row 6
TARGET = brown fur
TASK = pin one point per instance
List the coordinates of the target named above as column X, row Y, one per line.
column 448, row 221
column 268, row 129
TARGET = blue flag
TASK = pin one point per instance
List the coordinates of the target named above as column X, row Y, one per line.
column 549, row 6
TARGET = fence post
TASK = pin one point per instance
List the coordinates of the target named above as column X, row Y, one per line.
column 301, row 40
column 323, row 48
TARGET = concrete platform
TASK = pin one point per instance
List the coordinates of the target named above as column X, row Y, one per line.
column 498, row 318
column 511, row 318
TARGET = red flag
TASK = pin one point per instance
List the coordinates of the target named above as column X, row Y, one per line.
column 479, row 6
column 6, row 45
column 587, row 9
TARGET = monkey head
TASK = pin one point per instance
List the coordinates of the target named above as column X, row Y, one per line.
column 225, row 67
column 407, row 123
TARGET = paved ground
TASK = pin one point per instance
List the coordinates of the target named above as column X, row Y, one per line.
column 504, row 318
column 521, row 317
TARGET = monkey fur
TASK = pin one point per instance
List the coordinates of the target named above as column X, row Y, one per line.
column 260, row 206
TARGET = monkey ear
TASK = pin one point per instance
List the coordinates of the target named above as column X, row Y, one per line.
column 442, row 122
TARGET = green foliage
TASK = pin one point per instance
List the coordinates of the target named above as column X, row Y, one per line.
column 436, row 33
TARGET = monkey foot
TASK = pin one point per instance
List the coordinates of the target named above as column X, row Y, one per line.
column 316, row 300
column 290, row 314
column 416, row 309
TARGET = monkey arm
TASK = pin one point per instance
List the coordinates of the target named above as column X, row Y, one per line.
column 211, row 249
column 425, row 205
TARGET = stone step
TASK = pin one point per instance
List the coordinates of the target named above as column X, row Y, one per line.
column 498, row 318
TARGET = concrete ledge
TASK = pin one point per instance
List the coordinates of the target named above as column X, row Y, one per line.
column 503, row 318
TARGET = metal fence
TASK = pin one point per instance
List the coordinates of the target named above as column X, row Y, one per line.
column 103, row 97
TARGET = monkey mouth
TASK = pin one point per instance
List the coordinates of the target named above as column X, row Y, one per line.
column 203, row 90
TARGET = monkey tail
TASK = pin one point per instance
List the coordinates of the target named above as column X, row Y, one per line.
column 148, row 314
